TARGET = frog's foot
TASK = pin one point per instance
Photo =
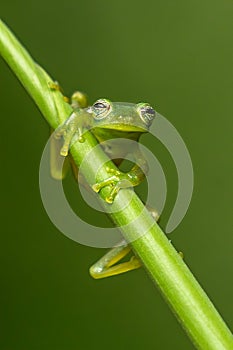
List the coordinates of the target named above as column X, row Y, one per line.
column 55, row 86
column 68, row 130
column 109, row 264
column 117, row 181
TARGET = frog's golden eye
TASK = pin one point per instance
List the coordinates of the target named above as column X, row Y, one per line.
column 147, row 113
column 101, row 108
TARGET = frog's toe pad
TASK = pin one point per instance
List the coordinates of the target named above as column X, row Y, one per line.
column 109, row 199
column 96, row 187
column 64, row 151
column 117, row 181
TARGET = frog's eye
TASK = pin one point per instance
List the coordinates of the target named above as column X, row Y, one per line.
column 147, row 113
column 101, row 108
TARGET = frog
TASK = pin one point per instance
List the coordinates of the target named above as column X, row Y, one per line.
column 109, row 122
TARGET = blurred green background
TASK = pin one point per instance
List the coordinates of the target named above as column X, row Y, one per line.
column 178, row 56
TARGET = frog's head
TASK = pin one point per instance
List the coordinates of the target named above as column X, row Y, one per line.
column 126, row 117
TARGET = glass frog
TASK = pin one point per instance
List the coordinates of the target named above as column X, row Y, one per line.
column 110, row 122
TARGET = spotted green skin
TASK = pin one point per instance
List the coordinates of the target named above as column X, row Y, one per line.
column 121, row 116
column 110, row 122
column 122, row 121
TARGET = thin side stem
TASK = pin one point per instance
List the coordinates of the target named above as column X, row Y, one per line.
column 180, row 289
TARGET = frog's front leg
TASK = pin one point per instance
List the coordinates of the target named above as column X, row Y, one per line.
column 119, row 180
column 78, row 100
column 74, row 125
column 105, row 266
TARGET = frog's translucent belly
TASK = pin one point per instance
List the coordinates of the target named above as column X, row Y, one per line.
column 116, row 143
column 119, row 148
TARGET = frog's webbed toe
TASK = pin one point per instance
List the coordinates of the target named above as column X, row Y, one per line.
column 117, row 181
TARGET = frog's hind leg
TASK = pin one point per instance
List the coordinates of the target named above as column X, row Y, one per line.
column 105, row 266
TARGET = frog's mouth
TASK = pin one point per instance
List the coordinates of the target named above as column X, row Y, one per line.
column 124, row 128
column 115, row 132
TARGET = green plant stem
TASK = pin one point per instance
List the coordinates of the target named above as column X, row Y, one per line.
column 180, row 289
